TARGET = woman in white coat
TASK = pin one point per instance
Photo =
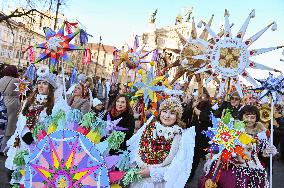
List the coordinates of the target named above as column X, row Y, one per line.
column 163, row 149
column 40, row 104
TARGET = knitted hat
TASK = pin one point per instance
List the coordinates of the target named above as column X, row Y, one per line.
column 172, row 104
column 82, row 78
column 96, row 102
column 44, row 75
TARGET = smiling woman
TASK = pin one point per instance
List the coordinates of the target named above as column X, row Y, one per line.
column 121, row 108
column 162, row 149
column 41, row 103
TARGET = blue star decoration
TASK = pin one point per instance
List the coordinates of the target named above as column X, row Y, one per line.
column 271, row 86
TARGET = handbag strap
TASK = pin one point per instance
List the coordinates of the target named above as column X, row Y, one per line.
column 7, row 86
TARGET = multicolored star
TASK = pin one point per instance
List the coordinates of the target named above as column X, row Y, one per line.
column 57, row 45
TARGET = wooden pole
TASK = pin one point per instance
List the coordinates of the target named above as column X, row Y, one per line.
column 271, row 141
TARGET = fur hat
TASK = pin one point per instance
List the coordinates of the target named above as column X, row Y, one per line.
column 235, row 94
column 174, row 104
column 44, row 75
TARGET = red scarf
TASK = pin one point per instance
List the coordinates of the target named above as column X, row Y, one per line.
column 114, row 113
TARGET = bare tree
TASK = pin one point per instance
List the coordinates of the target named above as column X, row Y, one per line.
column 31, row 7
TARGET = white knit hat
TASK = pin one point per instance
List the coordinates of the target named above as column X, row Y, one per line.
column 44, row 75
column 82, row 78
column 96, row 102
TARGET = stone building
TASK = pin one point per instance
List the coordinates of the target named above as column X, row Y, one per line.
column 103, row 54
column 15, row 38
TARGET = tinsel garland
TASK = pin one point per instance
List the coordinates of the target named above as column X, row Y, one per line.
column 74, row 115
column 123, row 164
column 87, row 120
column 37, row 130
column 19, row 159
column 115, row 139
column 99, row 125
column 16, row 175
column 131, row 175
column 16, row 186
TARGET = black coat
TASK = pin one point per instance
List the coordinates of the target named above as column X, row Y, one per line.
column 128, row 122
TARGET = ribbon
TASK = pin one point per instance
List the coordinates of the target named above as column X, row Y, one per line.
column 74, row 115
column 69, row 26
column 155, row 55
column 31, row 72
column 123, row 164
column 87, row 57
column 31, row 53
column 100, row 125
column 136, row 43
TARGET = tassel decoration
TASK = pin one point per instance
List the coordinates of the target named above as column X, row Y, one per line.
column 84, row 37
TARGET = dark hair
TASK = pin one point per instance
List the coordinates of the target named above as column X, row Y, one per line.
column 128, row 107
column 10, row 70
column 49, row 104
column 249, row 110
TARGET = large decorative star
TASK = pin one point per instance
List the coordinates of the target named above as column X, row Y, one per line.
column 132, row 57
column 22, row 87
column 186, row 64
column 229, row 56
column 63, row 171
column 65, row 159
column 271, row 85
column 57, row 45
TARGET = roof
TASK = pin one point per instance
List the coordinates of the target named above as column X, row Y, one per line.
column 103, row 47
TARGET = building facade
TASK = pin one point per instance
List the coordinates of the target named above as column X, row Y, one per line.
column 101, row 65
column 15, row 38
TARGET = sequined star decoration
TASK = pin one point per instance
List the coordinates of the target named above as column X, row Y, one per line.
column 22, row 87
column 132, row 57
column 230, row 57
column 271, row 86
column 56, row 45
column 227, row 137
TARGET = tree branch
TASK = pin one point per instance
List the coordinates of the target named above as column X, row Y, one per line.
column 16, row 13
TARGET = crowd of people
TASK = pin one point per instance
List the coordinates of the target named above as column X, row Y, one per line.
column 167, row 148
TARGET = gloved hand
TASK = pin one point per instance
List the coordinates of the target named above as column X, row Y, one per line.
column 270, row 150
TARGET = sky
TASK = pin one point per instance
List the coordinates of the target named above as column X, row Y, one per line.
column 117, row 20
